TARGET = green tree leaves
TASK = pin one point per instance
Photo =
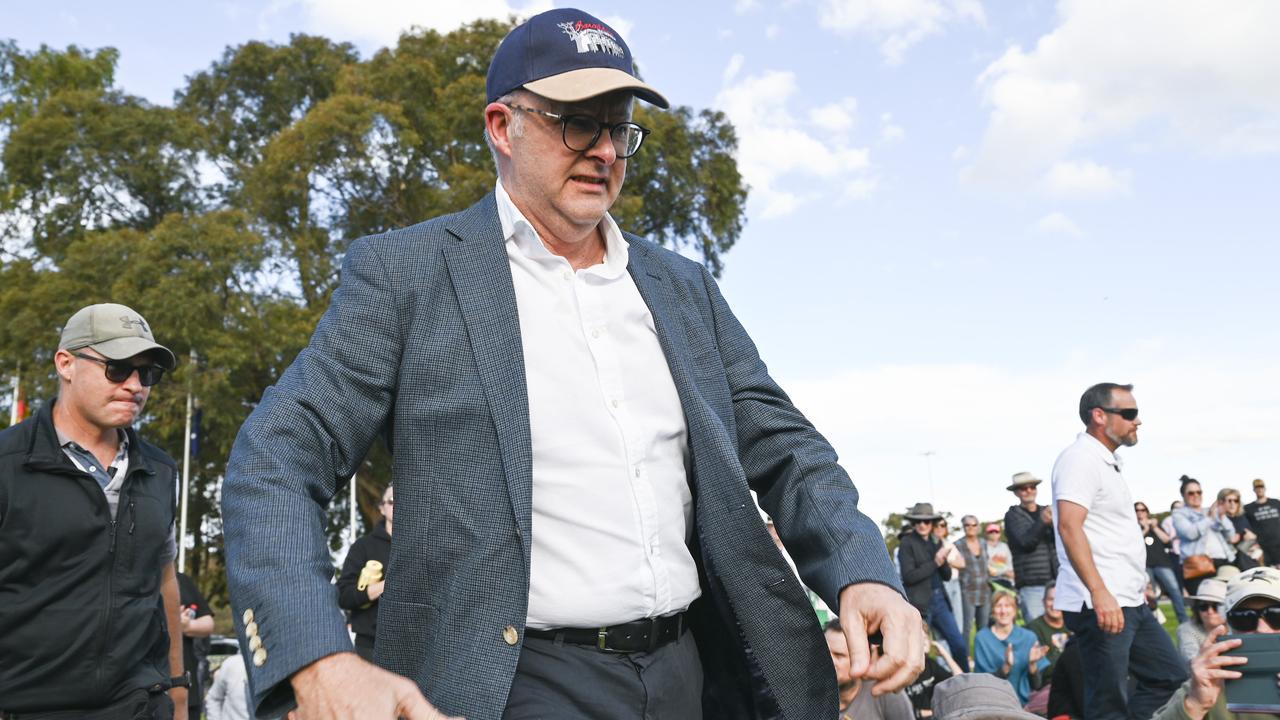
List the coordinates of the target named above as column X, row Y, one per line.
column 223, row 219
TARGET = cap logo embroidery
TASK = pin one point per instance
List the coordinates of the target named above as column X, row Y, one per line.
column 592, row 37
column 127, row 322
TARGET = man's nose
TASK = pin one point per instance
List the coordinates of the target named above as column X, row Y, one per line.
column 603, row 151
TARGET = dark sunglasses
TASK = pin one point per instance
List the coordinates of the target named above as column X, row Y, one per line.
column 119, row 370
column 1129, row 414
column 1141, row 509
column 1206, row 607
column 1192, row 492
column 1245, row 621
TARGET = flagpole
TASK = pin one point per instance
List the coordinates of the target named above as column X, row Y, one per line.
column 351, row 526
column 186, row 472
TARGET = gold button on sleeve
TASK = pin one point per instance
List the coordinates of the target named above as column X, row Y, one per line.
column 260, row 657
column 248, row 616
column 510, row 635
column 251, row 630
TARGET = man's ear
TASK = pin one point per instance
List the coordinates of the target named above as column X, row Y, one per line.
column 62, row 362
column 497, row 122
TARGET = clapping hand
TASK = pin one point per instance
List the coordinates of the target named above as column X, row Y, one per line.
column 1038, row 652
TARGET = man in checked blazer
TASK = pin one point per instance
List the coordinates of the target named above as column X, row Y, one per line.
column 577, row 421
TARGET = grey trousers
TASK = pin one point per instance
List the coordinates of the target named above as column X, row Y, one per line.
column 562, row 681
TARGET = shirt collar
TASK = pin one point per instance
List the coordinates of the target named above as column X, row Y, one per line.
column 1107, row 456
column 122, row 451
column 517, row 230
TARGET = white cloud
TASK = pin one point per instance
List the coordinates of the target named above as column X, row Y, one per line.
column 896, row 24
column 742, row 7
column 786, row 161
column 985, row 423
column 836, row 117
column 1194, row 74
column 772, row 31
column 732, row 69
column 1085, row 178
column 382, row 21
column 1055, row 223
column 889, row 131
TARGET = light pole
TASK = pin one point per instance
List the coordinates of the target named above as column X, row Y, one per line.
column 928, row 461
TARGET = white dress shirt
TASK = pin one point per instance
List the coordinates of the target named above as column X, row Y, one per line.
column 1088, row 474
column 612, row 508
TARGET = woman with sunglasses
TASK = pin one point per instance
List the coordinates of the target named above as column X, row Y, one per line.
column 1245, row 542
column 1159, row 562
column 1201, row 533
column 1253, row 602
column 1206, row 614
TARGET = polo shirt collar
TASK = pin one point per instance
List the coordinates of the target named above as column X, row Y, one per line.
column 1106, row 455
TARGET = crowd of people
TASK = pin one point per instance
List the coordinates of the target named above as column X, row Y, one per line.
column 578, row 425
column 992, row 589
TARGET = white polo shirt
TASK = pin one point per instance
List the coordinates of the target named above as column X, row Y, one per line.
column 1088, row 474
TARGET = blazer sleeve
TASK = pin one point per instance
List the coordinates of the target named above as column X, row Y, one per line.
column 302, row 442
column 795, row 471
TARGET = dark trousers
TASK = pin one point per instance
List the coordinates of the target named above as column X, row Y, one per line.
column 138, row 705
column 574, row 682
column 1142, row 649
column 943, row 622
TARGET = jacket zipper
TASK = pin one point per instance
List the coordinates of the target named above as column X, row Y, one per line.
column 111, row 576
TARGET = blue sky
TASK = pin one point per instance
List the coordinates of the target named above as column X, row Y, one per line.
column 962, row 213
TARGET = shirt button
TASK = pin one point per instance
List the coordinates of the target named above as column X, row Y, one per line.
column 637, row 472
column 510, row 635
column 595, row 333
column 567, row 275
column 93, row 469
column 614, row 402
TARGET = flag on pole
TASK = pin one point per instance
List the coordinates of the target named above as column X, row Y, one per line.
column 18, row 408
column 195, row 432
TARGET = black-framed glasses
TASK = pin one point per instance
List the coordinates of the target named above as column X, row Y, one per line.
column 1207, row 606
column 1141, row 509
column 1189, row 493
column 119, row 370
column 1246, row 620
column 1129, row 414
column 581, row 132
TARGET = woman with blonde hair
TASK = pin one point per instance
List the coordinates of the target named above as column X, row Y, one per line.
column 1248, row 553
column 1009, row 651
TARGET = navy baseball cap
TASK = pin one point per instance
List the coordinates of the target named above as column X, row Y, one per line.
column 568, row 56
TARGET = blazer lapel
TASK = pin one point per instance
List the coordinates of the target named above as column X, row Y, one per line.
column 664, row 299
column 481, row 277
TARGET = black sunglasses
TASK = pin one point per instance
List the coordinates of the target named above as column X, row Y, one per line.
column 119, row 370
column 1129, row 414
column 1245, row 621
column 1206, row 607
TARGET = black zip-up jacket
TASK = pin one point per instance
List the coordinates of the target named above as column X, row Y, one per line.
column 374, row 546
column 1035, row 554
column 915, row 558
column 81, row 617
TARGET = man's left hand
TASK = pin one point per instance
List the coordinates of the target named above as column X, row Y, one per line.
column 869, row 607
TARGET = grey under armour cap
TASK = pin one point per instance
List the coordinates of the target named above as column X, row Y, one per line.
column 115, row 331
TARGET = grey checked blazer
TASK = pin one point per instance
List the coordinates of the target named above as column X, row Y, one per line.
column 421, row 343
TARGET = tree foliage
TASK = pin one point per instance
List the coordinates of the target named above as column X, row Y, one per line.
column 223, row 219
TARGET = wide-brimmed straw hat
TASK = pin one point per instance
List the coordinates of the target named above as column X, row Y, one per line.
column 1023, row 479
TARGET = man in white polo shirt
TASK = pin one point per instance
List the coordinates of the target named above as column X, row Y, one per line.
column 1103, row 565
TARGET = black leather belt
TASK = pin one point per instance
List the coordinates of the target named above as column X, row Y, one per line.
column 639, row 636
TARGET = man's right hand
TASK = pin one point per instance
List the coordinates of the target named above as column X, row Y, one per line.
column 374, row 591
column 344, row 686
column 1110, row 614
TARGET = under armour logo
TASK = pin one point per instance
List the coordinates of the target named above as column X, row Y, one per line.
column 126, row 322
